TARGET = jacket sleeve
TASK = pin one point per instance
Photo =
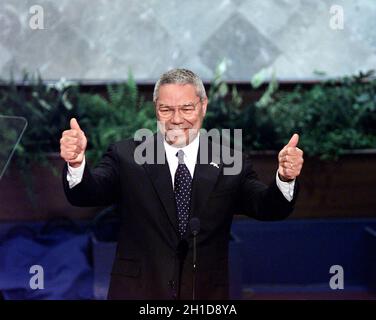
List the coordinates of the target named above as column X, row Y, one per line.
column 263, row 202
column 99, row 186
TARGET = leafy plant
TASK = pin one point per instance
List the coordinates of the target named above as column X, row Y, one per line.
column 225, row 105
column 48, row 109
column 45, row 107
column 227, row 110
column 117, row 116
column 331, row 117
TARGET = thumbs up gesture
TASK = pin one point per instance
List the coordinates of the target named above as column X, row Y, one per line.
column 73, row 144
column 290, row 160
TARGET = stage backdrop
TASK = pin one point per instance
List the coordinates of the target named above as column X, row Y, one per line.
column 103, row 39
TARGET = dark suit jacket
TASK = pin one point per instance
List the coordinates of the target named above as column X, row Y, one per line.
column 152, row 262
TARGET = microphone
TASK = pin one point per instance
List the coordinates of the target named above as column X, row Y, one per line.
column 194, row 225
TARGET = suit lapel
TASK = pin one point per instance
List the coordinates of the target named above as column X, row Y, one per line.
column 205, row 175
column 204, row 178
column 161, row 179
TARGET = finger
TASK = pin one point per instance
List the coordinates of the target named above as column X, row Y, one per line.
column 293, row 152
column 288, row 173
column 74, row 124
column 290, row 151
column 73, row 148
column 292, row 165
column 82, row 141
column 282, row 154
column 299, row 151
column 68, row 149
column 288, row 165
column 291, row 158
column 71, row 133
column 293, row 141
column 69, row 140
column 68, row 156
column 72, row 155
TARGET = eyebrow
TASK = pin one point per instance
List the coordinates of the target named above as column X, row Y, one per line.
column 167, row 105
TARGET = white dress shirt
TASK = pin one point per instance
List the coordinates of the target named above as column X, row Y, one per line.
column 74, row 175
column 190, row 156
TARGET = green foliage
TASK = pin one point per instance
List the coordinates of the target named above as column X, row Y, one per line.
column 48, row 109
column 109, row 119
column 224, row 104
column 227, row 110
column 331, row 117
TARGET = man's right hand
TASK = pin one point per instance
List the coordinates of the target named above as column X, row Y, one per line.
column 73, row 144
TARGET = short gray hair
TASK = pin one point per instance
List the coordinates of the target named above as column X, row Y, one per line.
column 180, row 76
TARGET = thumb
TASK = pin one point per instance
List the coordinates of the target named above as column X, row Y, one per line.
column 293, row 141
column 74, row 124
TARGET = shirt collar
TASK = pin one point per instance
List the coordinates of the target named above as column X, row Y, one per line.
column 190, row 150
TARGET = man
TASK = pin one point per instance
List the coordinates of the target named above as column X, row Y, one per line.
column 157, row 200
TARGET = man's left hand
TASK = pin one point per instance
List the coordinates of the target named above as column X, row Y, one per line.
column 290, row 160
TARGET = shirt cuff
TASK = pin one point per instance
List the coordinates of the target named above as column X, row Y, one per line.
column 287, row 188
column 74, row 175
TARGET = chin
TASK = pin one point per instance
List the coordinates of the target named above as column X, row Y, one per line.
column 177, row 140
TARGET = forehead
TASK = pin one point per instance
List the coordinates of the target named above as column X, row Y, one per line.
column 176, row 93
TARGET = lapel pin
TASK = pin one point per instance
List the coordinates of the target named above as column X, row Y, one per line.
column 214, row 164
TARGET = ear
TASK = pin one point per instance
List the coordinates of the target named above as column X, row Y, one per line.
column 204, row 106
column 155, row 110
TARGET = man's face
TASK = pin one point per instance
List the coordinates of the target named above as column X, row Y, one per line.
column 180, row 113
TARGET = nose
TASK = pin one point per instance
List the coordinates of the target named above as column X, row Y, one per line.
column 176, row 117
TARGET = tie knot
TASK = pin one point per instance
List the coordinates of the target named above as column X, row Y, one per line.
column 180, row 155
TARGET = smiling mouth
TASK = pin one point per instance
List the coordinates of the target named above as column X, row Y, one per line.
column 177, row 130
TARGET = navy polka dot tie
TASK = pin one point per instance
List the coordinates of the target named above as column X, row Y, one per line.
column 182, row 191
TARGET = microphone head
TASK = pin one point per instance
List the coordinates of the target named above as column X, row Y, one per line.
column 194, row 224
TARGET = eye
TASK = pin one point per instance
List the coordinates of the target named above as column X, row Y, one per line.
column 188, row 108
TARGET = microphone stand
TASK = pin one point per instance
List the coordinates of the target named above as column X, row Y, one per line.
column 194, row 267
column 194, row 224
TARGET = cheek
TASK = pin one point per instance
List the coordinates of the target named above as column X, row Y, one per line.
column 198, row 123
column 163, row 125
column 195, row 121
